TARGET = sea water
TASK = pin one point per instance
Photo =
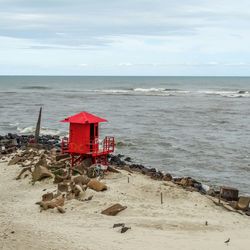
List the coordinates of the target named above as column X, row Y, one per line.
column 188, row 126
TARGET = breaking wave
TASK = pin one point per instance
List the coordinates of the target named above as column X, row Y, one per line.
column 43, row 131
column 173, row 92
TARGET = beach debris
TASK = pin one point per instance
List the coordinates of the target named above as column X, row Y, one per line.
column 96, row 185
column 167, row 177
column 47, row 197
column 119, row 225
column 64, row 186
column 229, row 193
column 206, row 223
column 242, row 203
column 89, row 198
column 125, row 229
column 40, row 173
column 38, row 126
column 61, row 210
column 113, row 170
column 55, row 202
column 81, row 179
column 113, row 210
column 15, row 160
column 62, row 157
column 23, row 171
column 227, row 241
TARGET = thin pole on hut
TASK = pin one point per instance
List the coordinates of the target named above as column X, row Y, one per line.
column 38, row 126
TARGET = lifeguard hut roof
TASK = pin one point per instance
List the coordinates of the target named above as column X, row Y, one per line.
column 83, row 118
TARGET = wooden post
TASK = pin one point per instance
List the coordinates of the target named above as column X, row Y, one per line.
column 161, row 198
column 128, row 179
column 38, row 126
column 220, row 195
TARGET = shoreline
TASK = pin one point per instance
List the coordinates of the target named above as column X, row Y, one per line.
column 119, row 160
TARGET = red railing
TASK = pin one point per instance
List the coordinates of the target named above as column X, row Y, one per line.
column 65, row 145
column 105, row 147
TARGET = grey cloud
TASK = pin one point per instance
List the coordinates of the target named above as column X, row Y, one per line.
column 91, row 23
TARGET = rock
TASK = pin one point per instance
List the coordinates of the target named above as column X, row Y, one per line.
column 62, row 156
column 96, row 185
column 125, row 229
column 61, row 210
column 211, row 192
column 47, row 197
column 40, row 173
column 185, row 181
column 119, row 225
column 113, row 170
column 63, row 186
column 128, row 159
column 42, row 162
column 56, row 202
column 85, row 164
column 167, row 177
column 81, row 179
column 114, row 210
column 15, row 160
column 156, row 175
column 59, row 178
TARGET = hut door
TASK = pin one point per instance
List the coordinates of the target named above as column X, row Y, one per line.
column 92, row 136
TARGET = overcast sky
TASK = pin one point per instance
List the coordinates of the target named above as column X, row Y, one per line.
column 125, row 37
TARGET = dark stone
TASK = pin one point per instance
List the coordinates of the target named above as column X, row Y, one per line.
column 167, row 177
column 128, row 159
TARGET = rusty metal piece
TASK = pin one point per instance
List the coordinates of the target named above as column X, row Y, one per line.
column 229, row 193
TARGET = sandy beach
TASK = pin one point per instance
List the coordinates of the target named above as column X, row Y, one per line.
column 178, row 223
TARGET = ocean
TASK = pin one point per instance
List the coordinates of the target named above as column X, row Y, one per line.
column 187, row 126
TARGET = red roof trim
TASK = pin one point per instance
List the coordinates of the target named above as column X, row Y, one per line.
column 83, row 118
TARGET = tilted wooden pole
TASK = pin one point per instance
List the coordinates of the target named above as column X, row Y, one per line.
column 38, row 126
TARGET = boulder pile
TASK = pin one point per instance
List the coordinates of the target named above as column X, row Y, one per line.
column 11, row 142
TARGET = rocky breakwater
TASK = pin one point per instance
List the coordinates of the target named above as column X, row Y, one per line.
column 11, row 142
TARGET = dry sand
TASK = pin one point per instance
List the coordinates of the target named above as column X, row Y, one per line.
column 179, row 223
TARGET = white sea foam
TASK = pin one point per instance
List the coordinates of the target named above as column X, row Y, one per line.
column 149, row 90
column 232, row 94
column 44, row 131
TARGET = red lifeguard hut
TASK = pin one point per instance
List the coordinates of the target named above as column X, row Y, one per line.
column 83, row 141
